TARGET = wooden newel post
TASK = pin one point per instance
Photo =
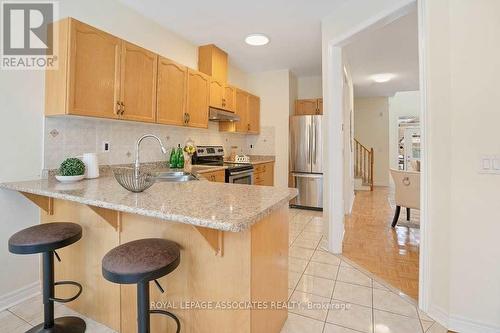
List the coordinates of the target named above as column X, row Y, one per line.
column 371, row 168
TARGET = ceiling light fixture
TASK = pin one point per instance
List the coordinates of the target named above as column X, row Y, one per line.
column 257, row 39
column 384, row 77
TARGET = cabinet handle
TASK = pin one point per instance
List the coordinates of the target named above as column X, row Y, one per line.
column 248, row 127
column 122, row 108
column 118, row 108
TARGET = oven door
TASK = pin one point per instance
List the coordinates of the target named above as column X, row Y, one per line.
column 241, row 177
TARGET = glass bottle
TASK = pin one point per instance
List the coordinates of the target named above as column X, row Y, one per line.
column 180, row 158
column 172, row 163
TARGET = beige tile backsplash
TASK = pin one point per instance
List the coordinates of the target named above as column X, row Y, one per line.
column 72, row 136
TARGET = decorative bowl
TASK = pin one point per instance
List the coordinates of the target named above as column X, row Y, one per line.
column 69, row 179
column 134, row 180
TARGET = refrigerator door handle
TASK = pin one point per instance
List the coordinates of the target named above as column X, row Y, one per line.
column 307, row 175
column 314, row 139
column 309, row 155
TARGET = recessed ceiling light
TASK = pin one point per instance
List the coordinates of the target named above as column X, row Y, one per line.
column 257, row 39
column 384, row 77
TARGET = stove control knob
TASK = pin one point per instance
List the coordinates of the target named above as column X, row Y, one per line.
column 200, row 151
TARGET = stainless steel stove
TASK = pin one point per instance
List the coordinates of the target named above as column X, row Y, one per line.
column 237, row 173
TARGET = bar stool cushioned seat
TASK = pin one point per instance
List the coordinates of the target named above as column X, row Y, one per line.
column 45, row 237
column 141, row 260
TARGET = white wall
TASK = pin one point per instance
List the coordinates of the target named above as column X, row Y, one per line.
column 371, row 129
column 273, row 87
column 309, row 87
column 405, row 103
column 21, row 145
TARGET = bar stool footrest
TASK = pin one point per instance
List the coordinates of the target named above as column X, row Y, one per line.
column 66, row 300
column 62, row 325
column 169, row 314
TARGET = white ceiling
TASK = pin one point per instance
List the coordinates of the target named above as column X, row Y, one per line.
column 389, row 49
column 294, row 27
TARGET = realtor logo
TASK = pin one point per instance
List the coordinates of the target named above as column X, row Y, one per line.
column 28, row 35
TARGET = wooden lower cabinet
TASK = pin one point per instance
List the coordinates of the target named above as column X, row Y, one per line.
column 218, row 176
column 253, row 266
column 264, row 174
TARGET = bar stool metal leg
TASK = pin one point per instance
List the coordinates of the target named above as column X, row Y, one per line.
column 143, row 307
column 68, row 324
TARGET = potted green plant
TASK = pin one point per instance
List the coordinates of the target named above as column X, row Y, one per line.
column 71, row 170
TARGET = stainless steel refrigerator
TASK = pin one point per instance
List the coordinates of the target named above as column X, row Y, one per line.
column 306, row 160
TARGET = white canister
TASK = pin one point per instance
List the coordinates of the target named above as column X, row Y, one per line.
column 91, row 165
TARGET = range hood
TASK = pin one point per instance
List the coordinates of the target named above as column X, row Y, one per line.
column 221, row 115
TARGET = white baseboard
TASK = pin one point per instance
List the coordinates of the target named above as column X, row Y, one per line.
column 465, row 325
column 20, row 295
column 458, row 323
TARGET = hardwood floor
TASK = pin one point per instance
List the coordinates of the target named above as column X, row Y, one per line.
column 391, row 254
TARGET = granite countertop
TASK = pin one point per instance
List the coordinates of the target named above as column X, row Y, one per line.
column 221, row 206
column 259, row 159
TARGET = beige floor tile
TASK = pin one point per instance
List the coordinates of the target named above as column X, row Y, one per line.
column 307, row 243
column 345, row 264
column 424, row 316
column 351, row 316
column 331, row 328
column 322, row 270
column 309, row 305
column 354, row 276
column 300, row 324
column 296, row 265
column 378, row 285
column 300, row 252
column 437, row 328
column 426, row 324
column 389, row 301
column 293, row 279
column 353, row 293
column 316, row 285
column 325, row 258
column 310, row 235
column 12, row 324
column 290, row 292
column 385, row 322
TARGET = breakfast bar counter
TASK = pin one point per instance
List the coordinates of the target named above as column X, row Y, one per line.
column 233, row 273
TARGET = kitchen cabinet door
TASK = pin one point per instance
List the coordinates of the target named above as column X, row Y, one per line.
column 242, row 111
column 306, row 107
column 138, row 83
column 229, row 98
column 215, row 176
column 253, row 114
column 198, row 94
column 216, row 94
column 94, row 72
column 213, row 62
column 171, row 92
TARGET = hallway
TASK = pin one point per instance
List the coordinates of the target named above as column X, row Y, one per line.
column 391, row 254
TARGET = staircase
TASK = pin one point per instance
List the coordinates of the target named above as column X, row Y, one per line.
column 363, row 167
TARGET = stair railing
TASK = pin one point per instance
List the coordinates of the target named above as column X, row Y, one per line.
column 363, row 163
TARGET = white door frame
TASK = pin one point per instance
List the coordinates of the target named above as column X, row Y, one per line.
column 333, row 137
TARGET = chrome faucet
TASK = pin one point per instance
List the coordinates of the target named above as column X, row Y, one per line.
column 137, row 163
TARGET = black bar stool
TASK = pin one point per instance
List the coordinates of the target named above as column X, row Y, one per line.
column 139, row 262
column 45, row 239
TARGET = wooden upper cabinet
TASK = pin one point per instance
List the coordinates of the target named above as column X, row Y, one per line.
column 213, row 62
column 138, row 83
column 229, row 98
column 306, row 106
column 93, row 69
column 216, row 94
column 253, row 114
column 171, row 92
column 198, row 92
column 241, row 109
